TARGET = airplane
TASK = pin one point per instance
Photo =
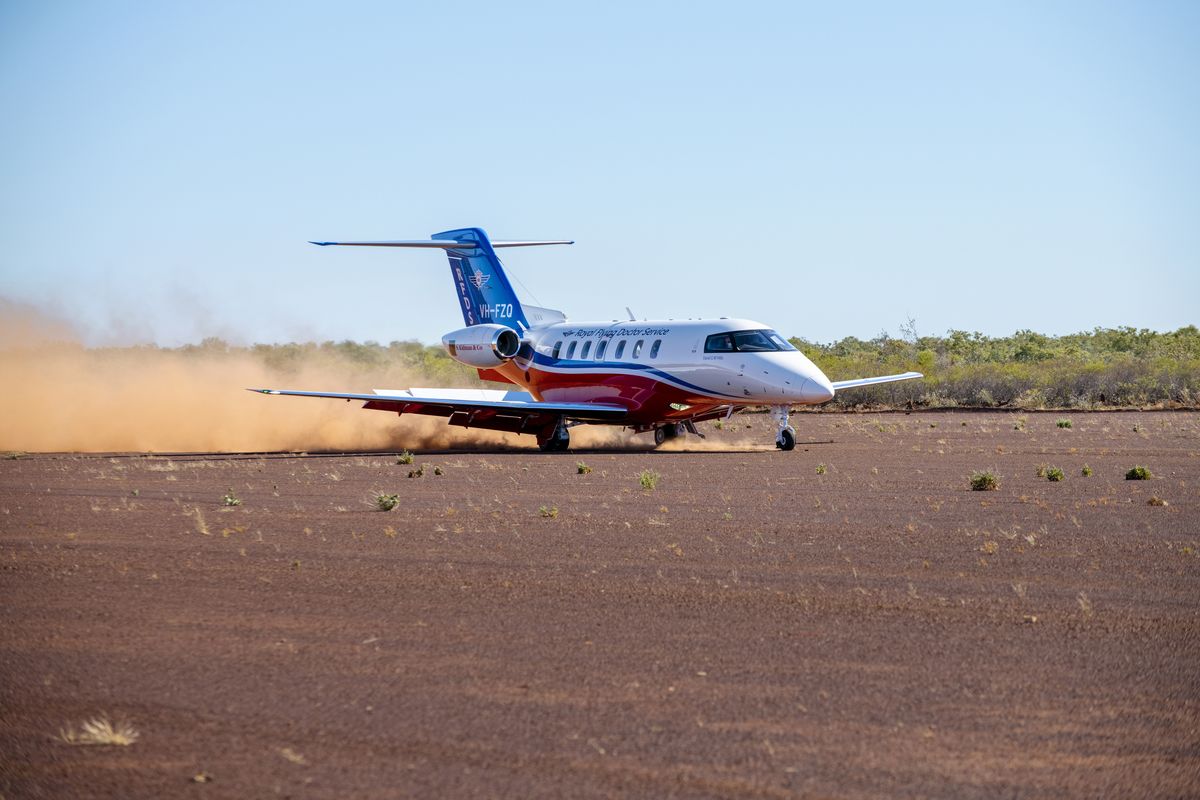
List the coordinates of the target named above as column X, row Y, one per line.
column 660, row 376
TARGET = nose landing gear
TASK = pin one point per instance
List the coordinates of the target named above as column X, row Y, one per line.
column 785, row 438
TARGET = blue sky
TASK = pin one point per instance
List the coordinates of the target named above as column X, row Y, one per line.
column 829, row 169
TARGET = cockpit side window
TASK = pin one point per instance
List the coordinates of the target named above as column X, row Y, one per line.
column 762, row 341
column 719, row 343
column 753, row 342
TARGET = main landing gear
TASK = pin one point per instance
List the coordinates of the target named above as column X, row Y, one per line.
column 664, row 433
column 556, row 440
column 673, row 430
column 785, row 438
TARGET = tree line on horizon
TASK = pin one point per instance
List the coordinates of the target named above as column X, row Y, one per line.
column 1104, row 367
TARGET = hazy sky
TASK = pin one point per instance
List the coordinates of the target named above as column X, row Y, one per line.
column 829, row 169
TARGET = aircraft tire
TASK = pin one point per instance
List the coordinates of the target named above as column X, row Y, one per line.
column 786, row 440
column 660, row 435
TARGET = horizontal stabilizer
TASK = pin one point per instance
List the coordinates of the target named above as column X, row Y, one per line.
column 904, row 376
column 446, row 244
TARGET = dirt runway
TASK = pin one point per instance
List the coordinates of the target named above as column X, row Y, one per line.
column 847, row 620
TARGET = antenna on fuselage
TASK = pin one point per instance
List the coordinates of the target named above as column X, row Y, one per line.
column 630, row 313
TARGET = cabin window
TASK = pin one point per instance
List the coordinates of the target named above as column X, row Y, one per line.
column 557, row 349
column 587, row 347
column 600, row 348
column 620, row 350
column 637, row 348
column 571, row 350
column 654, row 348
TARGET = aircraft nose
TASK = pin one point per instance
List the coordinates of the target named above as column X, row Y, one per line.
column 817, row 388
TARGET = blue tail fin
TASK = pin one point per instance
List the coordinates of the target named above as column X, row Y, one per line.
column 483, row 289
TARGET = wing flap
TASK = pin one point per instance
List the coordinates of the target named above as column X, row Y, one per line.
column 904, row 376
column 480, row 404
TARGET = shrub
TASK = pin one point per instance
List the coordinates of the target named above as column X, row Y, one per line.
column 821, row 469
column 1054, row 474
column 405, row 458
column 438, row 471
column 582, row 468
column 1041, row 470
column 230, row 499
column 100, row 731
column 419, row 472
column 648, row 478
column 985, row 481
column 1138, row 473
column 549, row 512
column 1063, row 423
column 386, row 502
column 1086, row 471
column 1156, row 501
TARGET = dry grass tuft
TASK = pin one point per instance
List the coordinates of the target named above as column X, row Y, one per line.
column 100, row 731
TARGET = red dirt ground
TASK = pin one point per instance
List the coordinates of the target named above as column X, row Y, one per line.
column 748, row 628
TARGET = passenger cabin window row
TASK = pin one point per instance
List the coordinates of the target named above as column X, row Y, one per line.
column 602, row 346
column 764, row 341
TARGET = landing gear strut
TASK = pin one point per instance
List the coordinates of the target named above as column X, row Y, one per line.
column 785, row 438
column 557, row 440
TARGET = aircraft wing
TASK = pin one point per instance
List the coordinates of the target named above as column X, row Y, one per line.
column 904, row 376
column 493, row 409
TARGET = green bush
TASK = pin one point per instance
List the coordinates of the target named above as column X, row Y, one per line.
column 1054, row 474
column 1138, row 473
column 582, row 468
column 405, row 458
column 984, row 481
column 1063, row 423
column 386, row 502
column 1086, row 471
column 648, row 478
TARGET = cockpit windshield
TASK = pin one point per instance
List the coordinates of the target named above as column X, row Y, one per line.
column 762, row 341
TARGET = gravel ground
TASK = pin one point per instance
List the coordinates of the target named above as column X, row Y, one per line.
column 846, row 620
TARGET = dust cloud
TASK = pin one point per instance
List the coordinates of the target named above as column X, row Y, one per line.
column 60, row 396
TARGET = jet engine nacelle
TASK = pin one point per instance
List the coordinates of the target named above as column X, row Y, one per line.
column 482, row 346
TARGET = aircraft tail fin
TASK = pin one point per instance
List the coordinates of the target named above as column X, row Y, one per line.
column 484, row 292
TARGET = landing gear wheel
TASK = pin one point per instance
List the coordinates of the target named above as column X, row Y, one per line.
column 667, row 432
column 786, row 440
